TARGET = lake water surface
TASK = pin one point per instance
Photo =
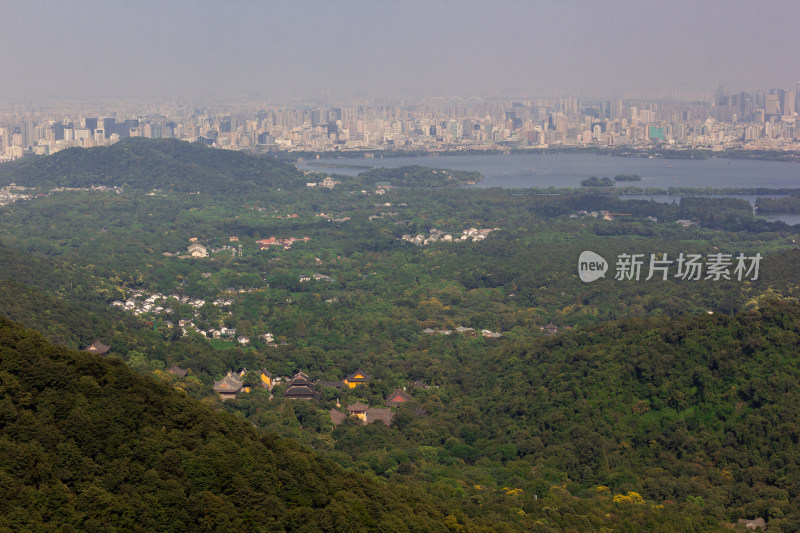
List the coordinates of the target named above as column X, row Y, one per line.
column 567, row 170
column 515, row 171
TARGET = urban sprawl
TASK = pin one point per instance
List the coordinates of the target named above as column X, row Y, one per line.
column 765, row 120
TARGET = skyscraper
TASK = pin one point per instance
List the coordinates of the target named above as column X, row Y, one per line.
column 797, row 97
column 109, row 126
column 788, row 103
column 772, row 105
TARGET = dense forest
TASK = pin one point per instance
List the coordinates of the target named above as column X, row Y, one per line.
column 89, row 445
column 784, row 204
column 144, row 164
column 537, row 401
column 417, row 176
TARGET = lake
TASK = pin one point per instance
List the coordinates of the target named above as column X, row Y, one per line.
column 516, row 171
column 567, row 170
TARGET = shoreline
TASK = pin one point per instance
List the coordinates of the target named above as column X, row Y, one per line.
column 307, row 158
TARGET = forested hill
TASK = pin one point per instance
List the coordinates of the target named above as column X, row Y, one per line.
column 696, row 409
column 167, row 164
column 417, row 176
column 86, row 444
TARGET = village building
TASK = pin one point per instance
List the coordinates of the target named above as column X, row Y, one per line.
column 337, row 417
column 366, row 414
column 301, row 388
column 358, row 410
column 98, row 348
column 178, row 371
column 197, row 250
column 264, row 244
column 359, row 377
column 375, row 414
column 229, row 386
column 398, row 398
column 550, row 329
column 752, row 525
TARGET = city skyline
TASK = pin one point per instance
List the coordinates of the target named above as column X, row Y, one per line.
column 349, row 50
column 731, row 120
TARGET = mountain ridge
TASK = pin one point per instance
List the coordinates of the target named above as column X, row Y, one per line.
column 153, row 163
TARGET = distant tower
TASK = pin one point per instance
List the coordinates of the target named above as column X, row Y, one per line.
column 788, row 103
column 616, row 108
column 797, row 97
column 772, row 105
column 760, row 99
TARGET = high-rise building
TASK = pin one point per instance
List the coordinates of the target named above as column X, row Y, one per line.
column 109, row 126
column 788, row 103
column 746, row 106
column 797, row 97
column 58, row 131
column 616, row 109
column 453, row 129
column 772, row 104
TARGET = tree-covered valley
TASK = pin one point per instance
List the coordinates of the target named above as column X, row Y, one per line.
column 535, row 401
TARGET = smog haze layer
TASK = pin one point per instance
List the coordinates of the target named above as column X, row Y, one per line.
column 356, row 49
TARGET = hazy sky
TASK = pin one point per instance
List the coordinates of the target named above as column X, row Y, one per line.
column 173, row 48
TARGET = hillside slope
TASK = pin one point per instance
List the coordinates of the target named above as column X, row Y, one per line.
column 697, row 409
column 87, row 444
column 141, row 163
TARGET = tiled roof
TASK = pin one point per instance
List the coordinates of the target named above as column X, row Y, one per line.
column 228, row 384
column 300, row 391
column 300, row 378
column 382, row 414
column 337, row 417
column 178, row 371
column 363, row 376
column 357, row 407
column 397, row 397
column 98, row 348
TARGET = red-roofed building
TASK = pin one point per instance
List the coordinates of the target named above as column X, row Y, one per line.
column 397, row 398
